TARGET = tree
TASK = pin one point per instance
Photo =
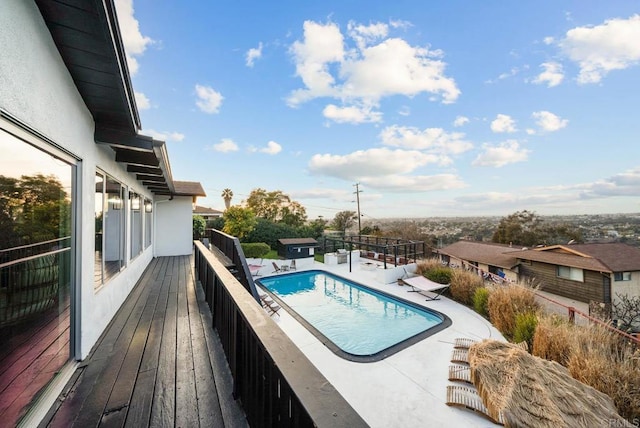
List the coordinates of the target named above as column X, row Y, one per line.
column 528, row 229
column 238, row 221
column 344, row 220
column 276, row 206
column 199, row 224
column 626, row 310
column 227, row 194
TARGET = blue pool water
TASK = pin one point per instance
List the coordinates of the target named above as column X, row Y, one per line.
column 356, row 322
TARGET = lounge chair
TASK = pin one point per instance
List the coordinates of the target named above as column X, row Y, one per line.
column 420, row 284
column 293, row 265
column 276, row 268
column 271, row 306
column 255, row 269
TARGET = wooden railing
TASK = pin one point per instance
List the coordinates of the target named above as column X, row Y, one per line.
column 276, row 384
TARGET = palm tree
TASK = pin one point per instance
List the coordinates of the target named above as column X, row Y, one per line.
column 227, row 194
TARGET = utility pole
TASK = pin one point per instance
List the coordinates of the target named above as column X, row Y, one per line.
column 357, row 192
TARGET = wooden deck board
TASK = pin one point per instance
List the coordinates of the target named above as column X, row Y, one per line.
column 156, row 364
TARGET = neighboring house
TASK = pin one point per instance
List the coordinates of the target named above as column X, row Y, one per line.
column 584, row 272
column 69, row 122
column 496, row 259
column 207, row 213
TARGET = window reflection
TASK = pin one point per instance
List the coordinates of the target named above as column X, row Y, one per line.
column 35, row 269
column 110, row 228
column 136, row 224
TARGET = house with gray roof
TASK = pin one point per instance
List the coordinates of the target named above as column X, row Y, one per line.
column 489, row 257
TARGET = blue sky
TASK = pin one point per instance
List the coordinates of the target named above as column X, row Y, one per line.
column 456, row 108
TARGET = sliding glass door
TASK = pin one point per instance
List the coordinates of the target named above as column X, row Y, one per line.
column 36, row 278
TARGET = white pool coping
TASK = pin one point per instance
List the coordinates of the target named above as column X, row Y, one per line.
column 407, row 389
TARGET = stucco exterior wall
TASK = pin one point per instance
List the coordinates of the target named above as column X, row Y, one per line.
column 174, row 226
column 36, row 88
column 630, row 288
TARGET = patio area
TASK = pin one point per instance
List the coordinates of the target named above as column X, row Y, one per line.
column 407, row 389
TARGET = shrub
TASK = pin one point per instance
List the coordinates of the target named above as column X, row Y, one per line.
column 552, row 339
column 423, row 266
column 480, row 299
column 595, row 356
column 464, row 285
column 255, row 249
column 505, row 303
column 525, row 328
column 439, row 274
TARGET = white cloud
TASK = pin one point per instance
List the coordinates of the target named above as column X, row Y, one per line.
column 164, row 136
column 367, row 72
column 142, row 101
column 460, row 121
column 272, row 148
column 368, row 163
column 552, row 74
column 134, row 42
column 322, row 45
column 624, row 184
column 433, row 140
column 530, row 131
column 404, row 111
column 209, row 100
column 364, row 35
column 600, row 49
column 548, row 121
column 548, row 40
column 382, row 168
column 399, row 23
column 351, row 114
column 225, row 146
column 502, row 154
column 253, row 54
column 503, row 123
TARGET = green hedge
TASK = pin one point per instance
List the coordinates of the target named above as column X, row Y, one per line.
column 255, row 249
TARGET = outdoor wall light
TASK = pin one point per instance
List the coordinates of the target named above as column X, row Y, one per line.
column 148, row 206
column 135, row 203
column 116, row 203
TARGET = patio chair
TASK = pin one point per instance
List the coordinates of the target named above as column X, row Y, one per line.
column 271, row 306
column 420, row 284
column 293, row 265
column 276, row 268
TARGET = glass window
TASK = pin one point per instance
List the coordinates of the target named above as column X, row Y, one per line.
column 99, row 216
column 36, row 255
column 571, row 273
column 113, row 228
column 622, row 276
column 148, row 222
column 136, row 223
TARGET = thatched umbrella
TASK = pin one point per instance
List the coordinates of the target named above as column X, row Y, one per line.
column 528, row 391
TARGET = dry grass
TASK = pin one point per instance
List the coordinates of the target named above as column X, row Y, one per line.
column 423, row 266
column 464, row 285
column 595, row 356
column 505, row 303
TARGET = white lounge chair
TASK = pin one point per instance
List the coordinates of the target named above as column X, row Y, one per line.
column 420, row 284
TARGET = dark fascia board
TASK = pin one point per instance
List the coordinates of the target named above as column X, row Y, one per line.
column 147, row 170
column 160, row 150
column 134, row 157
column 119, row 140
column 151, row 178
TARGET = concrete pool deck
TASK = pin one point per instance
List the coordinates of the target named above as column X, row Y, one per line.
column 407, row 389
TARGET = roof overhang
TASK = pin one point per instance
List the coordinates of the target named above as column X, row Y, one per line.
column 87, row 35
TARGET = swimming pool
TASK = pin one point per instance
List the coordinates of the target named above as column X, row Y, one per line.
column 354, row 321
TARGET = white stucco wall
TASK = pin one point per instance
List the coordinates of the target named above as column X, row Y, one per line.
column 630, row 288
column 36, row 88
column 173, row 226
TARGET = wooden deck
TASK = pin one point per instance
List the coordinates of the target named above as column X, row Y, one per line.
column 159, row 363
